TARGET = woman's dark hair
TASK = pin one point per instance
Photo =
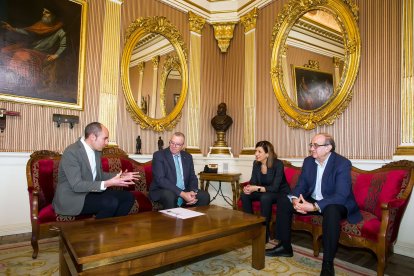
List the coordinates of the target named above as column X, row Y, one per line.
column 269, row 149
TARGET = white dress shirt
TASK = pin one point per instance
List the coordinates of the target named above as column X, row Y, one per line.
column 92, row 161
column 317, row 193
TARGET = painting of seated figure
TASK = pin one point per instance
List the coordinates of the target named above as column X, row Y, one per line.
column 313, row 87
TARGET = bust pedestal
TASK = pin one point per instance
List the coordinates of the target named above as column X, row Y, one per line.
column 220, row 145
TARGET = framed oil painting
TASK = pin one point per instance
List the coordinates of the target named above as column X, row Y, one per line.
column 42, row 52
column 313, row 87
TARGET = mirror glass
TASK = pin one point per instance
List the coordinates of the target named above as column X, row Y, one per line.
column 172, row 90
column 150, row 71
column 154, row 73
column 315, row 60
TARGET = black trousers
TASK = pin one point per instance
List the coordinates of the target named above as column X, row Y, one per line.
column 109, row 203
column 168, row 199
column 332, row 216
column 266, row 201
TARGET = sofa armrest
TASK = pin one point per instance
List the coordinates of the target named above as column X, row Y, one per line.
column 391, row 214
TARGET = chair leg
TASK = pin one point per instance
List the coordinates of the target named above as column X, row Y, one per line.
column 381, row 266
column 316, row 245
column 35, row 238
column 316, row 234
column 382, row 256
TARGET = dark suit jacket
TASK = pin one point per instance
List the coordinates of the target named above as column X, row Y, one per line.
column 336, row 184
column 275, row 175
column 164, row 174
column 75, row 180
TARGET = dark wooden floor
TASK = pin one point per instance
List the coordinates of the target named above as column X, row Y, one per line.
column 398, row 265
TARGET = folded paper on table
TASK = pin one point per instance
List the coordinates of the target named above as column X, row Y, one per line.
column 181, row 213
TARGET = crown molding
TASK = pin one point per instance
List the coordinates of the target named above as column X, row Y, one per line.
column 217, row 11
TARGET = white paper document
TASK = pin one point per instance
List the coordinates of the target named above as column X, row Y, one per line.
column 181, row 213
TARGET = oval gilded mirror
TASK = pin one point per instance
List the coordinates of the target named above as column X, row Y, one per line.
column 315, row 60
column 154, row 73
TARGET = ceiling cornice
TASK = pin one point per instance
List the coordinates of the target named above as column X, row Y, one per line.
column 219, row 10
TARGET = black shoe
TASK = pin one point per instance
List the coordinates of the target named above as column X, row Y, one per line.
column 327, row 269
column 279, row 251
column 273, row 248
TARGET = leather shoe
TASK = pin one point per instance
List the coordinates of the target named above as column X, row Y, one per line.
column 274, row 247
column 327, row 269
column 279, row 251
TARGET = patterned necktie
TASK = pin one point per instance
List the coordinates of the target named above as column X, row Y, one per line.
column 180, row 181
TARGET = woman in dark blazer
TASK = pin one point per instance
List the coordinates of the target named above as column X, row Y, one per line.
column 267, row 182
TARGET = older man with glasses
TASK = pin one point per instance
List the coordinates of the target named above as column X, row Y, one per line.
column 174, row 181
column 324, row 188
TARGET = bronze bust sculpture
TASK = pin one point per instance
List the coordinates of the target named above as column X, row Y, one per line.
column 222, row 121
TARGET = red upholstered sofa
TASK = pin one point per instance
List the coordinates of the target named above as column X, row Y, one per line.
column 42, row 176
column 382, row 196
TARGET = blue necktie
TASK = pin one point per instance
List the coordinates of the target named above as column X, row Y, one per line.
column 180, row 181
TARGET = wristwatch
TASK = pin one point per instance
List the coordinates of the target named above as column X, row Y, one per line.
column 259, row 189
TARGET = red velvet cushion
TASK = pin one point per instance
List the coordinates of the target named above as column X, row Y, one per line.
column 292, row 176
column 367, row 228
column 44, row 177
column 373, row 189
column 115, row 164
column 303, row 218
column 148, row 174
column 142, row 201
column 47, row 214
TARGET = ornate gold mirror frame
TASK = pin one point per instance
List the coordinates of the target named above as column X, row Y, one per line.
column 346, row 15
column 137, row 30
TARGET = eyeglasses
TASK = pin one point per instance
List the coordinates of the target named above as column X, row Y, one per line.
column 316, row 145
column 175, row 144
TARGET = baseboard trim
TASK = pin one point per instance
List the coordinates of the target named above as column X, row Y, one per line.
column 14, row 229
column 406, row 249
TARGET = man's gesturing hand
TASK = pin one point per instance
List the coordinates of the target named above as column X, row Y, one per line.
column 122, row 179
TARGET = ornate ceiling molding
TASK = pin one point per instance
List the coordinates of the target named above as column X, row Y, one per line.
column 223, row 32
column 217, row 11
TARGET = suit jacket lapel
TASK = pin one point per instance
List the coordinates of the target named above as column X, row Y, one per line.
column 185, row 167
column 328, row 170
column 313, row 173
column 170, row 161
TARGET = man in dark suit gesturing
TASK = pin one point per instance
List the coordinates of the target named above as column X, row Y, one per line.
column 174, row 181
column 324, row 188
column 82, row 185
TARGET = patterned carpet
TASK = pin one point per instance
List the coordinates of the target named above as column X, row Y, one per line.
column 15, row 259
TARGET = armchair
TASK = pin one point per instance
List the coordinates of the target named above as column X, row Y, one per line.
column 42, row 178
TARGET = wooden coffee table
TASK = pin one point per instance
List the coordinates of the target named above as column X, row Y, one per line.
column 137, row 243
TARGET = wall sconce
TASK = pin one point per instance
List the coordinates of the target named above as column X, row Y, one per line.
column 70, row 119
column 3, row 114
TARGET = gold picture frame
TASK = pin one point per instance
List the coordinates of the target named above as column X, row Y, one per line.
column 31, row 72
column 313, row 88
